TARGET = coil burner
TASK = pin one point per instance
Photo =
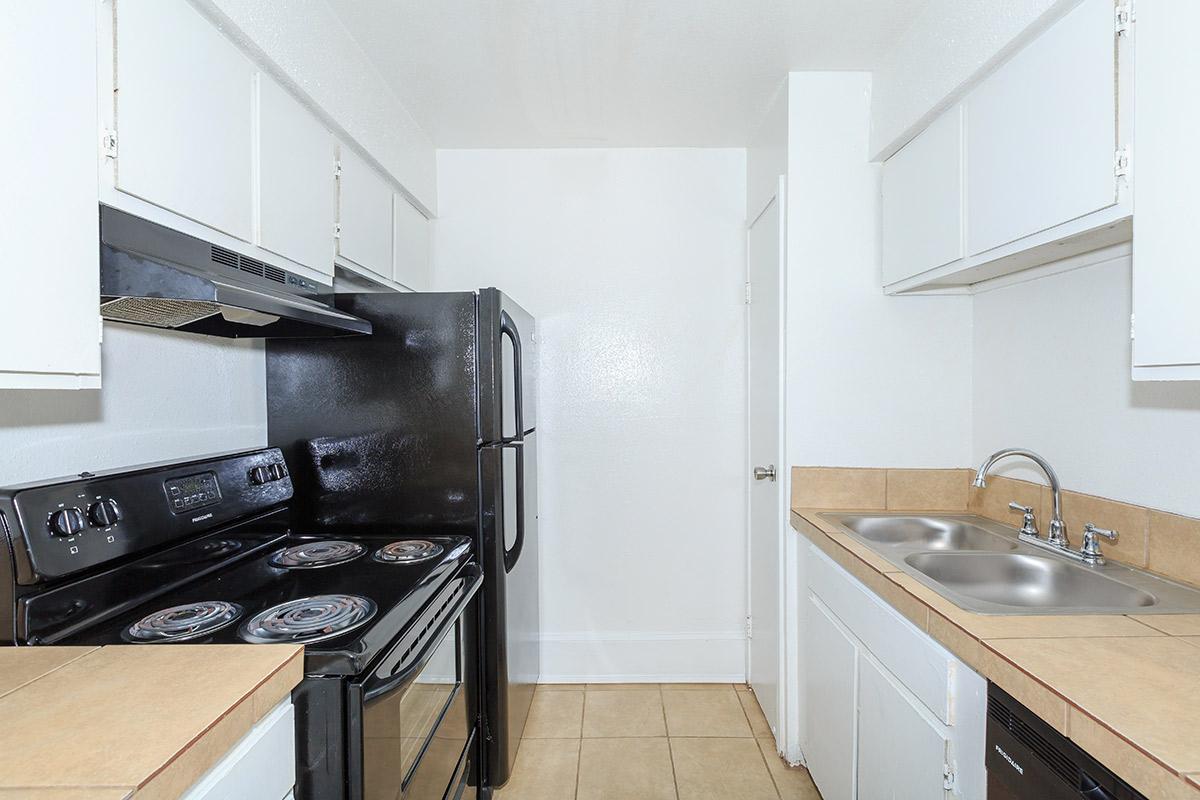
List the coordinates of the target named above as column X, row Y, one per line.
column 412, row 551
column 309, row 619
column 313, row 555
column 180, row 623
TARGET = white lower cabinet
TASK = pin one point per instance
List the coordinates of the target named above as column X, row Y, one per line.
column 831, row 663
column 903, row 750
column 261, row 766
column 890, row 714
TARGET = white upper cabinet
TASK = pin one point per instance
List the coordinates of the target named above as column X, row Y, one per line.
column 411, row 259
column 1031, row 168
column 297, row 185
column 185, row 115
column 923, row 202
column 49, row 300
column 364, row 216
column 1166, row 270
column 211, row 140
column 1041, row 132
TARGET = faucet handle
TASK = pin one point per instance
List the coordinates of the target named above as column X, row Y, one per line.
column 1028, row 523
column 1091, row 546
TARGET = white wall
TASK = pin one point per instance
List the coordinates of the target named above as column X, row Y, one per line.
column 872, row 380
column 633, row 263
column 165, row 396
column 1052, row 364
column 949, row 46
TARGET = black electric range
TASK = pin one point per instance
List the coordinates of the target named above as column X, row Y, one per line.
column 205, row 552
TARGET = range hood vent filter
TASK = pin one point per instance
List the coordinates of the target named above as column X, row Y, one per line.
column 158, row 312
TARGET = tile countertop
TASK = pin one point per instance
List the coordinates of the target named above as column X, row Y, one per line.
column 129, row 721
column 1122, row 687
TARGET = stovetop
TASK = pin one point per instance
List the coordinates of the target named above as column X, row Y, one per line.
column 381, row 596
column 210, row 546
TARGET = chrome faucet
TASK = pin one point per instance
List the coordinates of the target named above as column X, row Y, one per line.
column 1057, row 535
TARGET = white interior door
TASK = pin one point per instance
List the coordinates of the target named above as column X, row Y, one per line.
column 764, row 259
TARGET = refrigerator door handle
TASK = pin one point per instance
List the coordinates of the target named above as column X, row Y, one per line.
column 509, row 328
column 512, row 556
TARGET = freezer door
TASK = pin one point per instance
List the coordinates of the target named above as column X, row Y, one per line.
column 507, row 369
column 512, row 614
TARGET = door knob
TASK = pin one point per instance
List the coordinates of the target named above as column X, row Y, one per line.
column 766, row 473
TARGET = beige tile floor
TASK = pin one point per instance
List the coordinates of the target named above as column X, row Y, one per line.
column 650, row 742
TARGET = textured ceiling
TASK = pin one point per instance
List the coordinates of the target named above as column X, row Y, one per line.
column 580, row 73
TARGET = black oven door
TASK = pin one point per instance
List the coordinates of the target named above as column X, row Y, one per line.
column 412, row 720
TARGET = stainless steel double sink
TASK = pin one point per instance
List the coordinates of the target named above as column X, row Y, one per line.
column 983, row 567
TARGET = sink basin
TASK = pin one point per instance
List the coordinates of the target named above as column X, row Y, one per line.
column 1028, row 581
column 926, row 533
column 985, row 567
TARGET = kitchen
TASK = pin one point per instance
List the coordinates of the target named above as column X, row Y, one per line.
column 715, row 494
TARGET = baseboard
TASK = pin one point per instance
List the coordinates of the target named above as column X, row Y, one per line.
column 663, row 678
column 644, row 657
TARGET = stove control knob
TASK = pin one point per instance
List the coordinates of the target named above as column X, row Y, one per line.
column 66, row 522
column 260, row 475
column 104, row 513
column 278, row 472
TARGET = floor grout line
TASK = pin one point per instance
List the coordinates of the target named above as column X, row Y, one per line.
column 579, row 756
column 662, row 703
column 754, row 738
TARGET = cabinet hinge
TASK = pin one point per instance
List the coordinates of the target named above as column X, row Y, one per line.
column 108, row 143
column 337, row 169
column 1121, row 162
column 948, row 777
column 1124, row 17
column 748, row 293
column 337, row 230
column 749, row 627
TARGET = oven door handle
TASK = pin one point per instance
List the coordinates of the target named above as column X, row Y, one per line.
column 405, row 673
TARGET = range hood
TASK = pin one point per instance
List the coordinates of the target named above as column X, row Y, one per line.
column 155, row 276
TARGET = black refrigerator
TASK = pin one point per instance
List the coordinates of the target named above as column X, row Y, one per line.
column 429, row 425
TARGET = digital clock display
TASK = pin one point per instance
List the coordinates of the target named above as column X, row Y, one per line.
column 192, row 491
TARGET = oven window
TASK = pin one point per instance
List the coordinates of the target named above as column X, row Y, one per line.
column 397, row 727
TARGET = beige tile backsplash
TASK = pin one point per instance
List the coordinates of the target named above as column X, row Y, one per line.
column 927, row 489
column 839, row 487
column 1168, row 544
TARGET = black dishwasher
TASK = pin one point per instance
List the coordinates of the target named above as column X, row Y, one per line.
column 1029, row 760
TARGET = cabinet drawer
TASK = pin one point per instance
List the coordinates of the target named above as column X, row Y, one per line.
column 921, row 664
column 261, row 765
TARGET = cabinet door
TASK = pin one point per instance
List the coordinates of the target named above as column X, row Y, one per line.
column 1041, row 132
column 902, row 753
column 1166, row 271
column 49, row 313
column 411, row 257
column 923, row 201
column 185, row 102
column 297, row 188
column 365, row 215
column 830, row 666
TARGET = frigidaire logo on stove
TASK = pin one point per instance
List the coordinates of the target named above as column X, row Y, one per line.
column 203, row 517
column 1020, row 770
